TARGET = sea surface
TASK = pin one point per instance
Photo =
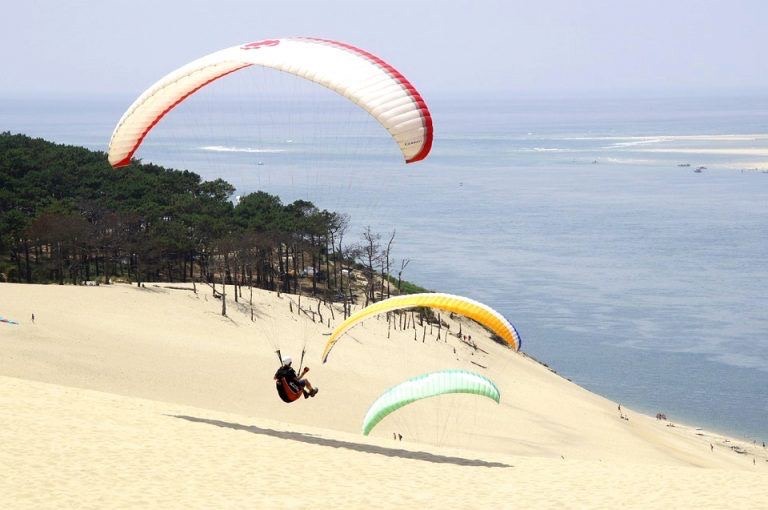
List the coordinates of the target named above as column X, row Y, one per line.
column 582, row 220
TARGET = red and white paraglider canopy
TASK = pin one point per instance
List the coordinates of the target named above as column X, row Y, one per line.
column 361, row 77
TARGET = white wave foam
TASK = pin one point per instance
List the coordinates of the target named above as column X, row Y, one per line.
column 675, row 138
column 542, row 149
column 224, row 148
column 628, row 161
column 746, row 151
column 633, row 143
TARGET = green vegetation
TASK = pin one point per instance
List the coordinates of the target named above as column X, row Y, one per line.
column 67, row 216
column 406, row 287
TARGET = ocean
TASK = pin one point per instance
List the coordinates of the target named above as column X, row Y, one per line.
column 583, row 220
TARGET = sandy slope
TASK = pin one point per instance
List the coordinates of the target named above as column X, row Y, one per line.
column 184, row 412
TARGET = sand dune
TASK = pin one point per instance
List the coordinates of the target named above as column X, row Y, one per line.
column 118, row 396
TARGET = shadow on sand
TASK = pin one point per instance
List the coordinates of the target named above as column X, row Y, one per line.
column 335, row 443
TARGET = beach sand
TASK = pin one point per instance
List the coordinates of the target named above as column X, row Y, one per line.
column 118, row 396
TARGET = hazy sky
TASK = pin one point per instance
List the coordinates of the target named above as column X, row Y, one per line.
column 543, row 47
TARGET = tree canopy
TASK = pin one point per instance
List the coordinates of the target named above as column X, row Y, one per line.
column 66, row 215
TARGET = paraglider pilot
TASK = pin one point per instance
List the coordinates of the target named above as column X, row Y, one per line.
column 287, row 372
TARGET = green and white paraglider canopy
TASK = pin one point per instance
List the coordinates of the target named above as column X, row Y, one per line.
column 426, row 386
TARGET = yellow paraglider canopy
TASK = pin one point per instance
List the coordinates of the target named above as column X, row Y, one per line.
column 475, row 310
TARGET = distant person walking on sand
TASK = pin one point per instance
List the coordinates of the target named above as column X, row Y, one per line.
column 711, row 447
column 33, row 318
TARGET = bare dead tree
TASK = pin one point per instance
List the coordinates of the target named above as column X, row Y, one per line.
column 403, row 264
column 385, row 266
column 371, row 254
column 336, row 231
column 223, row 292
column 348, row 254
